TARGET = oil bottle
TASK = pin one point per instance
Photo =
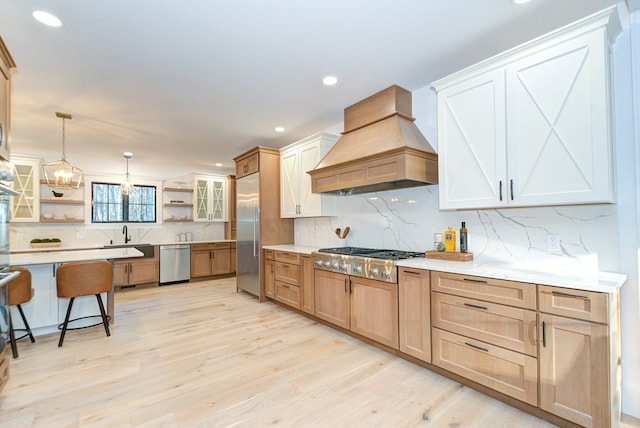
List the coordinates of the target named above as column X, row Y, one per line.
column 463, row 238
column 450, row 240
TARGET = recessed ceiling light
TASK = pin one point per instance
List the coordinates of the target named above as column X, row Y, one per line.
column 330, row 80
column 46, row 18
column 279, row 129
column 520, row 1
column 218, row 164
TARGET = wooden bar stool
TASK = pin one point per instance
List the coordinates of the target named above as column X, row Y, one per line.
column 20, row 292
column 84, row 279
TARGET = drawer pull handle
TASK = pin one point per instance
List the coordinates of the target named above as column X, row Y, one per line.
column 284, row 285
column 482, row 281
column 476, row 347
column 577, row 296
column 544, row 334
column 410, row 272
column 471, row 305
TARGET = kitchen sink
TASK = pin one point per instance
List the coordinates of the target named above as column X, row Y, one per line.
column 147, row 250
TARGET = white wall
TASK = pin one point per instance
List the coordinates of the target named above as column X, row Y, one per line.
column 604, row 236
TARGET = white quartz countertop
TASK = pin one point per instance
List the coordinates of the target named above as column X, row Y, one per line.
column 64, row 247
column 291, row 248
column 607, row 282
column 46, row 257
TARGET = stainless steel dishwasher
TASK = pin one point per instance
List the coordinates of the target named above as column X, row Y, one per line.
column 175, row 263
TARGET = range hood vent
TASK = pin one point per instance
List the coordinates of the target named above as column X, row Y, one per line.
column 380, row 149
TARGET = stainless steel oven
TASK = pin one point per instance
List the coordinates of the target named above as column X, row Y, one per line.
column 6, row 177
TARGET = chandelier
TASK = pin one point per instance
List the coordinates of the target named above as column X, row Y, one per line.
column 61, row 174
column 127, row 184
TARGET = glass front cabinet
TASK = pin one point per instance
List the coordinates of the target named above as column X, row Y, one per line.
column 211, row 202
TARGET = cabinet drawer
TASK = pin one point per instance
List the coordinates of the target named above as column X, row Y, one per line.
column 520, row 294
column 583, row 305
column 211, row 246
column 286, row 272
column 508, row 372
column 269, row 254
column 288, row 257
column 511, row 328
column 288, row 294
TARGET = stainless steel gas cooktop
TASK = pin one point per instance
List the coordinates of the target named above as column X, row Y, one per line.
column 371, row 263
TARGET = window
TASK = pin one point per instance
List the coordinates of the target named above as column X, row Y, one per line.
column 109, row 205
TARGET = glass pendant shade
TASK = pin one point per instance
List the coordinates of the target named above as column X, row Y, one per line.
column 126, row 184
column 61, row 174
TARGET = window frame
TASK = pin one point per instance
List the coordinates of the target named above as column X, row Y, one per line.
column 125, row 204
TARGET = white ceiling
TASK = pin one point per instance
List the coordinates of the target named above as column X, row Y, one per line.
column 201, row 81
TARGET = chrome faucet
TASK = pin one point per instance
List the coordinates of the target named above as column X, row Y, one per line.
column 127, row 238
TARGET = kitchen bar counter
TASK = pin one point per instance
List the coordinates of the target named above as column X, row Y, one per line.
column 606, row 282
column 45, row 310
column 47, row 257
column 102, row 246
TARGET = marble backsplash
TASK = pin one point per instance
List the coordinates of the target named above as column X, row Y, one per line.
column 407, row 219
column 78, row 235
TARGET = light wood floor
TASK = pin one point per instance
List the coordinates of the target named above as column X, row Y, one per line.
column 202, row 355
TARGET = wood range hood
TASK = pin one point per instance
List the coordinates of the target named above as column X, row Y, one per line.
column 380, row 149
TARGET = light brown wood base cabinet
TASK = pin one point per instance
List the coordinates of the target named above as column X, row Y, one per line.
column 374, row 310
column 211, row 259
column 579, row 359
column 414, row 309
column 368, row 308
column 484, row 331
column 136, row 271
column 552, row 347
column 307, row 285
column 269, row 274
column 287, row 278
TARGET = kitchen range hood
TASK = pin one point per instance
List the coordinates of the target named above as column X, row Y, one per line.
column 380, row 149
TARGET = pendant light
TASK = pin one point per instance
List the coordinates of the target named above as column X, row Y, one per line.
column 61, row 174
column 127, row 184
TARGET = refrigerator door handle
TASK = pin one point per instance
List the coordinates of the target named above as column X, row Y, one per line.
column 255, row 241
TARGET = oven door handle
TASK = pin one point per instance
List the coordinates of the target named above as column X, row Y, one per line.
column 9, row 190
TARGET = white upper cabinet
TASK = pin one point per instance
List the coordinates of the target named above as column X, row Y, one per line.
column 211, row 202
column 471, row 142
column 296, row 198
column 531, row 126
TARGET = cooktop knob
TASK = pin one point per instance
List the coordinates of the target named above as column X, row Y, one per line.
column 374, row 272
column 318, row 263
column 344, row 267
column 387, row 274
column 327, row 264
column 358, row 269
column 335, row 266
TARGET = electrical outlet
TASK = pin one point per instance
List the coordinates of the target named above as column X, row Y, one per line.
column 553, row 242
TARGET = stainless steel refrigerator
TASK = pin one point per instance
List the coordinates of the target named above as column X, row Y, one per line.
column 248, row 233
